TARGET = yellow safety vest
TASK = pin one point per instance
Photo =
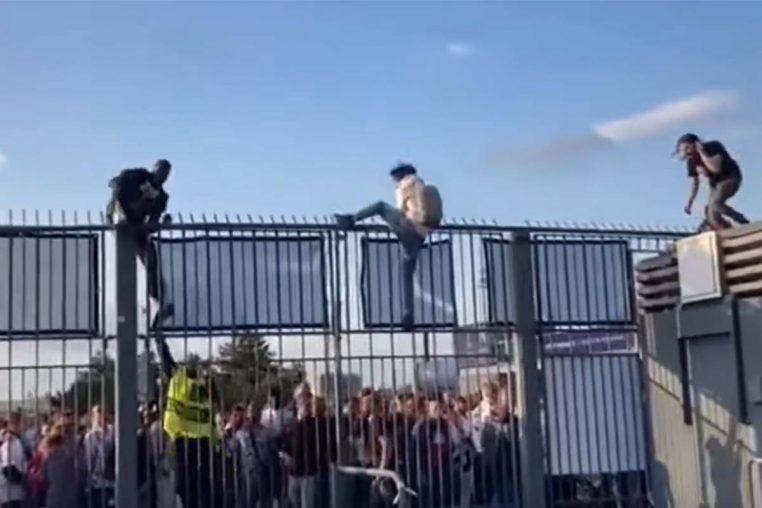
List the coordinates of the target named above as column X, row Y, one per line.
column 189, row 409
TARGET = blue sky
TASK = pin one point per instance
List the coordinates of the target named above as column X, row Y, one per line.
column 300, row 108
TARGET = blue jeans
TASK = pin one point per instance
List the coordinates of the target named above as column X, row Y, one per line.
column 410, row 239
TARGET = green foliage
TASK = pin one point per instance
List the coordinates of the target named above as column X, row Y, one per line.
column 248, row 372
column 245, row 371
column 94, row 385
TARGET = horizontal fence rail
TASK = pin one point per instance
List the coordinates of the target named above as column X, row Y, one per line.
column 295, row 331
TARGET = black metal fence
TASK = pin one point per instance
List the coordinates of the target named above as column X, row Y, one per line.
column 297, row 330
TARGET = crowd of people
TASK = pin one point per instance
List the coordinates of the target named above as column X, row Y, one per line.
column 453, row 451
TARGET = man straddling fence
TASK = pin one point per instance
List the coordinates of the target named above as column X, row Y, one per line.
column 139, row 196
column 418, row 212
column 711, row 160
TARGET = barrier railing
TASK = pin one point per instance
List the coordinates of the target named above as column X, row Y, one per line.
column 265, row 308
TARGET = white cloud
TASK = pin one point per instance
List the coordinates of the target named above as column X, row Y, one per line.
column 460, row 49
column 667, row 116
column 3, row 160
column 661, row 119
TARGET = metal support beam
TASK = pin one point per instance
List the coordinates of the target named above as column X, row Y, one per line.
column 530, row 424
column 126, row 371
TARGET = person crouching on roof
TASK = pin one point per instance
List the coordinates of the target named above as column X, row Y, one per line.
column 712, row 160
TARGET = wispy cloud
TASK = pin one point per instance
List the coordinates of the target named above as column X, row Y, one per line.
column 658, row 120
column 3, row 160
column 460, row 49
column 667, row 116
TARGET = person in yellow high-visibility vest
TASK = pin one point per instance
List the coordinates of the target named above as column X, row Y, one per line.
column 189, row 421
column 189, row 409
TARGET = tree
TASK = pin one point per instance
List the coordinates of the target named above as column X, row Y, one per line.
column 248, row 371
column 94, row 385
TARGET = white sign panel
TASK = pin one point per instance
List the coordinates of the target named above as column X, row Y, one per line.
column 698, row 264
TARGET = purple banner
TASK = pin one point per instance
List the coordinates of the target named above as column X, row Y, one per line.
column 581, row 342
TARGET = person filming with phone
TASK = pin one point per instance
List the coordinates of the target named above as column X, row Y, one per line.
column 711, row 160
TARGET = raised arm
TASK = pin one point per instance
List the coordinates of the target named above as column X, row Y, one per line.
column 711, row 156
column 168, row 363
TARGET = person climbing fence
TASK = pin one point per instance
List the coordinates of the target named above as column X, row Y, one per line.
column 418, row 212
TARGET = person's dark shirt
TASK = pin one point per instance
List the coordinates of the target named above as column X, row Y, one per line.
column 729, row 168
column 372, row 431
column 434, row 473
column 139, row 195
column 311, row 443
column 404, row 449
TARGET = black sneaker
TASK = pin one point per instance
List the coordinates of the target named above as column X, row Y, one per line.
column 344, row 221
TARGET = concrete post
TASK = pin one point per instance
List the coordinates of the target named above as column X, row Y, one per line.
column 530, row 424
column 126, row 371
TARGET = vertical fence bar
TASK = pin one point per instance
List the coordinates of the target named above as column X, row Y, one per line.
column 530, row 427
column 126, row 371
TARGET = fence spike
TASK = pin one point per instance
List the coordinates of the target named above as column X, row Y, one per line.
column 10, row 217
column 37, row 216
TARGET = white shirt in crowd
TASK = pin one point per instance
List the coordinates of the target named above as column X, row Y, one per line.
column 12, row 454
column 481, row 417
column 275, row 420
